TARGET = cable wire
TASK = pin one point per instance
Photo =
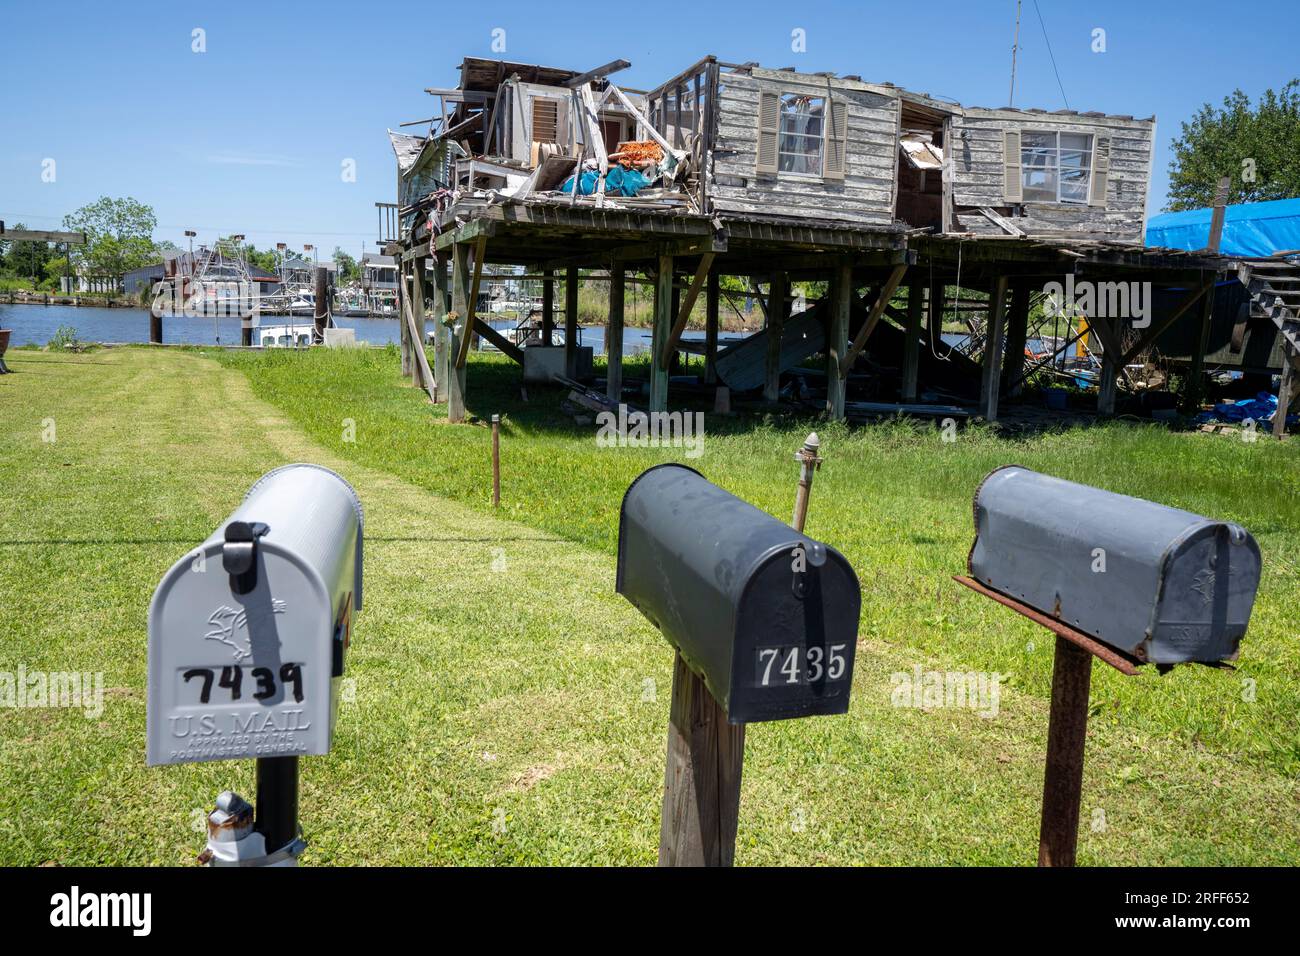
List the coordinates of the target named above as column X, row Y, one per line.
column 1050, row 54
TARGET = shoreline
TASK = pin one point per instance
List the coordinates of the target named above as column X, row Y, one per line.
column 77, row 301
column 9, row 298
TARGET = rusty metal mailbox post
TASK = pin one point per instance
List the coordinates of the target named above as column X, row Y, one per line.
column 247, row 639
column 764, row 622
column 1125, row 580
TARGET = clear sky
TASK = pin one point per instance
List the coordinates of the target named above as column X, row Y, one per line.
column 252, row 135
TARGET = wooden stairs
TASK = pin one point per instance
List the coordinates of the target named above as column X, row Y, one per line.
column 1274, row 287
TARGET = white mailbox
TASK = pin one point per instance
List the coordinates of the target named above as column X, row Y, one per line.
column 248, row 633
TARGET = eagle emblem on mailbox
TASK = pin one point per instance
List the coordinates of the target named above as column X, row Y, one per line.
column 226, row 624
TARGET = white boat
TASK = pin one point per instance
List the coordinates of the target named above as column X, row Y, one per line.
column 285, row 336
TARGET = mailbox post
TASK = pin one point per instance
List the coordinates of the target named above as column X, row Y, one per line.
column 247, row 639
column 1124, row 580
column 763, row 621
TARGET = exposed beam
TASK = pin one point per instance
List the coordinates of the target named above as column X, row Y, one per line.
column 416, row 252
column 873, row 317
column 572, row 278
column 639, row 251
column 778, row 307
column 837, row 339
column 912, row 343
column 1196, row 374
column 991, row 383
column 473, row 229
column 460, row 306
column 688, row 303
column 413, row 303
column 41, row 235
column 1157, row 330
column 613, row 66
column 1217, row 215
column 614, row 335
column 507, row 347
column 662, row 323
column 711, row 329
column 471, row 302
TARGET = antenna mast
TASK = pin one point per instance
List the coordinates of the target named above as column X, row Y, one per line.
column 1015, row 45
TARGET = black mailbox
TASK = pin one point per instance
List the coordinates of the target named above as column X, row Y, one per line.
column 766, row 616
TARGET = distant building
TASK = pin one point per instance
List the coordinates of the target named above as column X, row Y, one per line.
column 143, row 278
column 378, row 273
column 298, row 271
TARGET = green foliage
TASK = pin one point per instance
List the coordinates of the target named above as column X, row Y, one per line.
column 65, row 340
column 119, row 235
column 349, row 270
column 265, row 259
column 56, row 268
column 24, row 260
column 1257, row 147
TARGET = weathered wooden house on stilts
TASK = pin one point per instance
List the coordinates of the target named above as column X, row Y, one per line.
column 778, row 177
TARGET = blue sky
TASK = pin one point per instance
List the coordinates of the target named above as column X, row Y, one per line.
column 250, row 136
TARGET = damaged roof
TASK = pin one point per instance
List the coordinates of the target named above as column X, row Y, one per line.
column 484, row 75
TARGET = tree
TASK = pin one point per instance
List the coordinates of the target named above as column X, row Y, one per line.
column 119, row 235
column 1257, row 148
column 56, row 268
column 348, row 268
column 23, row 259
column 267, row 260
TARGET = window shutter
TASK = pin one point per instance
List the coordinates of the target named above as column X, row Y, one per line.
column 1011, row 191
column 769, row 132
column 546, row 121
column 837, row 138
column 1100, row 178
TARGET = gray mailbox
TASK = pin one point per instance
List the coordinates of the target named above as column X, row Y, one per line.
column 1162, row 585
column 247, row 634
column 766, row 616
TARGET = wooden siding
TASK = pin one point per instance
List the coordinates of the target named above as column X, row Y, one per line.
column 977, row 171
column 865, row 195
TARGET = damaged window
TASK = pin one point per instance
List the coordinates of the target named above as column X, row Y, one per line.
column 1055, row 167
column 801, row 141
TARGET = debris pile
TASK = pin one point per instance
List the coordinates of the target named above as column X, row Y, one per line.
column 516, row 133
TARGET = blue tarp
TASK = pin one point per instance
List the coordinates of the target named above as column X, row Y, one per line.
column 1249, row 229
column 1261, row 408
column 619, row 182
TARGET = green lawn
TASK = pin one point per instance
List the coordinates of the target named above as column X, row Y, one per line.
column 510, row 708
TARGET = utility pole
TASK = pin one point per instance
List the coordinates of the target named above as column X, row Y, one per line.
column 1015, row 45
